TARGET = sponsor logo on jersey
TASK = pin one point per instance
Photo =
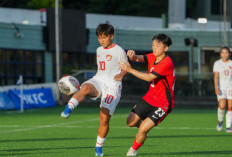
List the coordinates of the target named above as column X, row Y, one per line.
column 230, row 67
column 153, row 116
column 108, row 57
column 98, row 55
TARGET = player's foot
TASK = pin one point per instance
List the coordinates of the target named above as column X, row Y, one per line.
column 131, row 152
column 219, row 126
column 228, row 130
column 98, row 151
column 66, row 113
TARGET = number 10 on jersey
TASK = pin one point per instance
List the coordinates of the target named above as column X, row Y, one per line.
column 102, row 65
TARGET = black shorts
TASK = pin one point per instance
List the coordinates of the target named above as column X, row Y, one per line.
column 145, row 110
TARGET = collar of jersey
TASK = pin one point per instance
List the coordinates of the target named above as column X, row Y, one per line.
column 160, row 60
column 110, row 47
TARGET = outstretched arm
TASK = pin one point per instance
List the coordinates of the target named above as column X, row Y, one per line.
column 133, row 57
column 144, row 76
column 120, row 76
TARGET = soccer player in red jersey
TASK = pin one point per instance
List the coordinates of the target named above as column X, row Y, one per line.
column 158, row 102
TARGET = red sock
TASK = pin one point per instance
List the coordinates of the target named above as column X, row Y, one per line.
column 136, row 145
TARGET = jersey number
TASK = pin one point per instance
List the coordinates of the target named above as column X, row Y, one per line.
column 102, row 65
column 159, row 112
column 109, row 99
column 230, row 92
column 226, row 72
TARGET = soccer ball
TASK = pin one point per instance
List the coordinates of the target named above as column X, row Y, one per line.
column 68, row 85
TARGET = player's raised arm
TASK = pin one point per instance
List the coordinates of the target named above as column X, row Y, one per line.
column 133, row 57
column 144, row 76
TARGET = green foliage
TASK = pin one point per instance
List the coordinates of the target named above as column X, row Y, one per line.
column 36, row 4
column 120, row 7
column 152, row 8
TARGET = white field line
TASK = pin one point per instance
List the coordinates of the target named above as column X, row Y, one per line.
column 125, row 127
column 45, row 126
column 64, row 125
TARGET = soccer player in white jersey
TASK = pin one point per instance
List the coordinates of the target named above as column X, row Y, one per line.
column 223, row 88
column 106, row 84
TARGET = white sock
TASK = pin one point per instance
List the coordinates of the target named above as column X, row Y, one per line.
column 73, row 103
column 100, row 141
column 228, row 119
column 220, row 114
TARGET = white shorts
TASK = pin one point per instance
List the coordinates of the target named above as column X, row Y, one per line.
column 225, row 94
column 110, row 93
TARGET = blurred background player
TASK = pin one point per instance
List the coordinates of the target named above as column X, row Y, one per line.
column 106, row 84
column 223, row 87
column 159, row 100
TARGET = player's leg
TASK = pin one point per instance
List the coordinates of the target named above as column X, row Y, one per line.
column 104, row 122
column 87, row 89
column 141, row 136
column 153, row 117
column 103, row 130
column 229, row 116
column 138, row 113
column 221, row 112
column 111, row 94
column 133, row 120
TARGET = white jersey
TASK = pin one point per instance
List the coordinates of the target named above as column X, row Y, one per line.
column 108, row 60
column 225, row 73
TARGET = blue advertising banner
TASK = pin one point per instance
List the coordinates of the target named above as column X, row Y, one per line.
column 33, row 98
column 5, row 102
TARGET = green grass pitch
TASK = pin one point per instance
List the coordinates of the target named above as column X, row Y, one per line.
column 42, row 133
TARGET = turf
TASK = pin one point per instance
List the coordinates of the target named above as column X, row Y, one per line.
column 41, row 132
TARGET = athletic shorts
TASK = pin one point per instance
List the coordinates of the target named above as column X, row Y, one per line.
column 109, row 92
column 225, row 94
column 145, row 110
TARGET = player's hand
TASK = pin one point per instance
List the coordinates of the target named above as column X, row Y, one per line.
column 131, row 54
column 124, row 66
column 118, row 77
column 217, row 91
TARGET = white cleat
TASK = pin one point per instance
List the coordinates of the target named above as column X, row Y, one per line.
column 219, row 126
column 228, row 130
column 131, row 152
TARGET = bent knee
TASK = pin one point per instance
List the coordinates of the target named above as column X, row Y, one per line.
column 104, row 121
column 131, row 124
column 85, row 88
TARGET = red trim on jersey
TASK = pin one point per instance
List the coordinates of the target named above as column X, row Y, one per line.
column 99, row 143
column 109, row 47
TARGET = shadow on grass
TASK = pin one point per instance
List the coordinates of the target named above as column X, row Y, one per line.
column 115, row 137
column 172, row 136
column 202, row 153
column 42, row 149
column 23, row 154
column 46, row 139
column 190, row 136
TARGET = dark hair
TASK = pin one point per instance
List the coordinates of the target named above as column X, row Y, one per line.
column 105, row 28
column 225, row 47
column 166, row 40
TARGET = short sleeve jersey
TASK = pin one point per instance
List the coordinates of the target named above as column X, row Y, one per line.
column 108, row 60
column 160, row 93
column 225, row 73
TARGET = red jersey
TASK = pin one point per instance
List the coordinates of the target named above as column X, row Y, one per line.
column 160, row 93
